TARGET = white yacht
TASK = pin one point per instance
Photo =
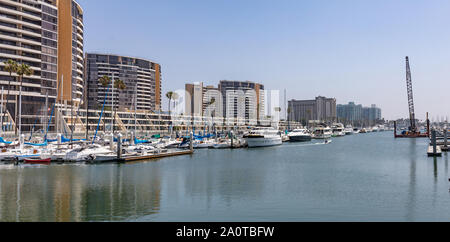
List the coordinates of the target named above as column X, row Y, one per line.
column 299, row 135
column 348, row 130
column 322, row 132
column 338, row 130
column 262, row 137
column 88, row 153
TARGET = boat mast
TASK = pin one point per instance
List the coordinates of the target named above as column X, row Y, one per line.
column 1, row 111
column 44, row 124
column 87, row 110
column 112, row 107
column 135, row 108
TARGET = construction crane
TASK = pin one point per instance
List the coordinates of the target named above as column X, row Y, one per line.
column 412, row 115
column 413, row 131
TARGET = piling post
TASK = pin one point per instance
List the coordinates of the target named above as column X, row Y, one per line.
column 111, row 142
column 445, row 138
column 232, row 139
column 433, row 141
column 133, row 135
column 395, row 129
column 119, row 146
column 191, row 144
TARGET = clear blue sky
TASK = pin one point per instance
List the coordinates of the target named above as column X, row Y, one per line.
column 352, row 50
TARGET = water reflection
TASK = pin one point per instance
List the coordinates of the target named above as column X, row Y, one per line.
column 82, row 193
column 446, row 163
column 411, row 202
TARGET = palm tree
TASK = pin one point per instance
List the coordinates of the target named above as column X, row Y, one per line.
column 120, row 85
column 22, row 70
column 11, row 67
column 105, row 80
column 170, row 96
column 212, row 102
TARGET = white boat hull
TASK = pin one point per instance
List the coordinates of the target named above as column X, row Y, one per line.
column 322, row 136
column 264, row 142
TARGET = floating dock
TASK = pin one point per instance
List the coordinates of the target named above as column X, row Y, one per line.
column 127, row 159
column 431, row 152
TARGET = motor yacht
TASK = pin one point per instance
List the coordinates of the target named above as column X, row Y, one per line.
column 299, row 135
column 322, row 132
column 348, row 130
column 338, row 130
column 263, row 137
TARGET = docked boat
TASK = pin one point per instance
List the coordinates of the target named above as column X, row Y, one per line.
column 363, row 131
column 348, row 130
column 322, row 132
column 299, row 135
column 223, row 145
column 87, row 153
column 203, row 144
column 338, row 130
column 263, row 137
column 38, row 161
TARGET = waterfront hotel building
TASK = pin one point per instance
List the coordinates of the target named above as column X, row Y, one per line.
column 319, row 109
column 47, row 35
column 141, row 77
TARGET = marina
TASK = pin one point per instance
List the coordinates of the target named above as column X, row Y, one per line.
column 307, row 181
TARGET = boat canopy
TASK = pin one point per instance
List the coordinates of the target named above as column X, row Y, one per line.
column 137, row 141
column 4, row 142
column 38, row 145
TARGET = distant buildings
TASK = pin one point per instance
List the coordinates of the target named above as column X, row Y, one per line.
column 322, row 109
column 357, row 113
column 140, row 76
column 231, row 99
column 194, row 99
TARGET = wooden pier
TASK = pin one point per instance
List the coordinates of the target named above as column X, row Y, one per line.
column 127, row 159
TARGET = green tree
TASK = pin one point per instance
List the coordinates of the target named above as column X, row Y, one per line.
column 11, row 67
column 170, row 96
column 22, row 70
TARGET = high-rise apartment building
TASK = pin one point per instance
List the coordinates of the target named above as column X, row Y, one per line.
column 350, row 112
column 194, row 99
column 231, row 99
column 372, row 113
column 357, row 113
column 141, row 77
column 322, row 108
column 212, row 102
column 243, row 99
column 70, row 52
column 32, row 33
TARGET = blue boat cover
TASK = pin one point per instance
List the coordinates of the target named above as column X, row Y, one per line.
column 136, row 141
column 39, row 145
column 4, row 142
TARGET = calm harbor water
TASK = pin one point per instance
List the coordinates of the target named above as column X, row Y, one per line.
column 366, row 177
